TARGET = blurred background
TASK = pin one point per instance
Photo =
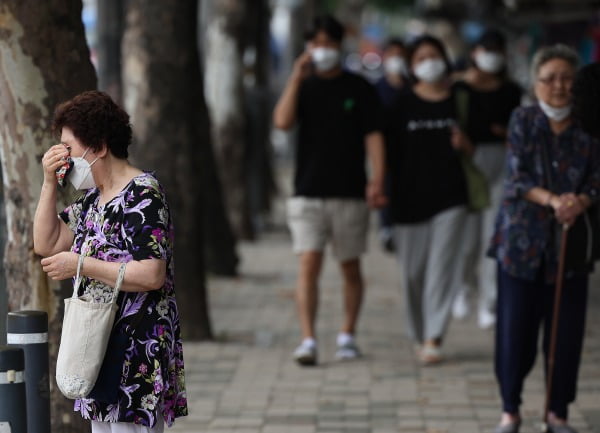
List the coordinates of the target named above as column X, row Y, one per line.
column 200, row 79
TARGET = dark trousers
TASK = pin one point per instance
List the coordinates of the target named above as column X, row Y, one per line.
column 523, row 306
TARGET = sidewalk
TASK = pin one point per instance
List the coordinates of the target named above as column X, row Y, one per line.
column 247, row 382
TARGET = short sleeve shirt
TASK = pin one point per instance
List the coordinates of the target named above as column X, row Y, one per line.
column 135, row 225
column 334, row 116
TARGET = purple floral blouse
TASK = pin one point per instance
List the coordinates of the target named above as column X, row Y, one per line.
column 524, row 238
column 135, row 225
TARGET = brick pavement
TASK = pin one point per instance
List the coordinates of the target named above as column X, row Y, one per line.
column 247, row 383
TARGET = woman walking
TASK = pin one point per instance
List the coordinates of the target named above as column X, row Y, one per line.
column 428, row 195
column 553, row 177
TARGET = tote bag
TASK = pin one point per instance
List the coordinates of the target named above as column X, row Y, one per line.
column 85, row 332
column 478, row 191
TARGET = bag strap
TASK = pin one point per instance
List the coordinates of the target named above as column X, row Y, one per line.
column 461, row 98
column 119, row 283
column 78, row 275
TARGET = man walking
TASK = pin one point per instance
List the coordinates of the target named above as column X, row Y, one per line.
column 338, row 116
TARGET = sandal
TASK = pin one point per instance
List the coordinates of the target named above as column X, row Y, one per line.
column 430, row 354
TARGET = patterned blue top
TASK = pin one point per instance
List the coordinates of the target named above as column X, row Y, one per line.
column 524, row 236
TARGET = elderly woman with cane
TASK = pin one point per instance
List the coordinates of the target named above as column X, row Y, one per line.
column 553, row 179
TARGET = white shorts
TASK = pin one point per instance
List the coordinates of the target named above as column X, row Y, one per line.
column 123, row 427
column 314, row 221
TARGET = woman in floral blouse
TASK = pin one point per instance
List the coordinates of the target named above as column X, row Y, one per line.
column 122, row 217
column 553, row 177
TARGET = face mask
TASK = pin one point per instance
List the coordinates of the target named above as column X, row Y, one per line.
column 489, row 61
column 430, row 70
column 324, row 58
column 394, row 65
column 81, row 175
column 556, row 114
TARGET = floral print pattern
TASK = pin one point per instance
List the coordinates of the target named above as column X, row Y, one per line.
column 524, row 239
column 135, row 225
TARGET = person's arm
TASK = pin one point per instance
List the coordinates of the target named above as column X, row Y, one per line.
column 140, row 275
column 284, row 115
column 50, row 234
column 374, row 144
column 461, row 142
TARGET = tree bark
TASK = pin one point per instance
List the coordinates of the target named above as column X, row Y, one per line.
column 225, row 98
column 110, row 33
column 163, row 94
column 260, row 177
column 44, row 60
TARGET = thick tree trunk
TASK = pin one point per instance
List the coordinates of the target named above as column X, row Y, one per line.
column 3, row 295
column 44, row 60
column 225, row 98
column 162, row 92
column 110, row 33
column 261, row 182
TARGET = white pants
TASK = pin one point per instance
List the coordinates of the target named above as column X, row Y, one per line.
column 429, row 257
column 125, row 427
column 480, row 271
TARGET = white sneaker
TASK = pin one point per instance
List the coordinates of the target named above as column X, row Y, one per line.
column 460, row 307
column 487, row 319
column 306, row 354
column 348, row 350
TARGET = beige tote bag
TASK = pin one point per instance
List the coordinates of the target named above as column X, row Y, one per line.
column 85, row 332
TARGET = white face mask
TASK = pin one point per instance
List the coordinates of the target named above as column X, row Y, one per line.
column 430, row 70
column 395, row 65
column 81, row 175
column 556, row 114
column 325, row 58
column 489, row 61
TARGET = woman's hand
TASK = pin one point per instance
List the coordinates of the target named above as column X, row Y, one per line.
column 52, row 160
column 460, row 141
column 61, row 266
column 567, row 207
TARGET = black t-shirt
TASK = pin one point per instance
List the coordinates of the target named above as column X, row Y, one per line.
column 425, row 173
column 334, row 115
column 388, row 93
column 490, row 107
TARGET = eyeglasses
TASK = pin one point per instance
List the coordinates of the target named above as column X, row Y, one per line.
column 566, row 79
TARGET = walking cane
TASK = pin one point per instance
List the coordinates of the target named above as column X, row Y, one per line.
column 554, row 329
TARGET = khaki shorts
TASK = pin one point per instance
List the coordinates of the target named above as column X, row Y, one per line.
column 313, row 222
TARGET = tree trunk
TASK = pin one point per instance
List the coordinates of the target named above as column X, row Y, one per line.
column 3, row 295
column 44, row 60
column 260, row 177
column 163, row 94
column 225, row 98
column 110, row 33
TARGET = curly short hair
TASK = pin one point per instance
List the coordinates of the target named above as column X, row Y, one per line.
column 95, row 119
column 586, row 98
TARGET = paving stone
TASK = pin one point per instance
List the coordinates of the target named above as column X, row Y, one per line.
column 248, row 383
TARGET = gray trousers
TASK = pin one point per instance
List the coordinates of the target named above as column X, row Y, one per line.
column 430, row 264
column 480, row 271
